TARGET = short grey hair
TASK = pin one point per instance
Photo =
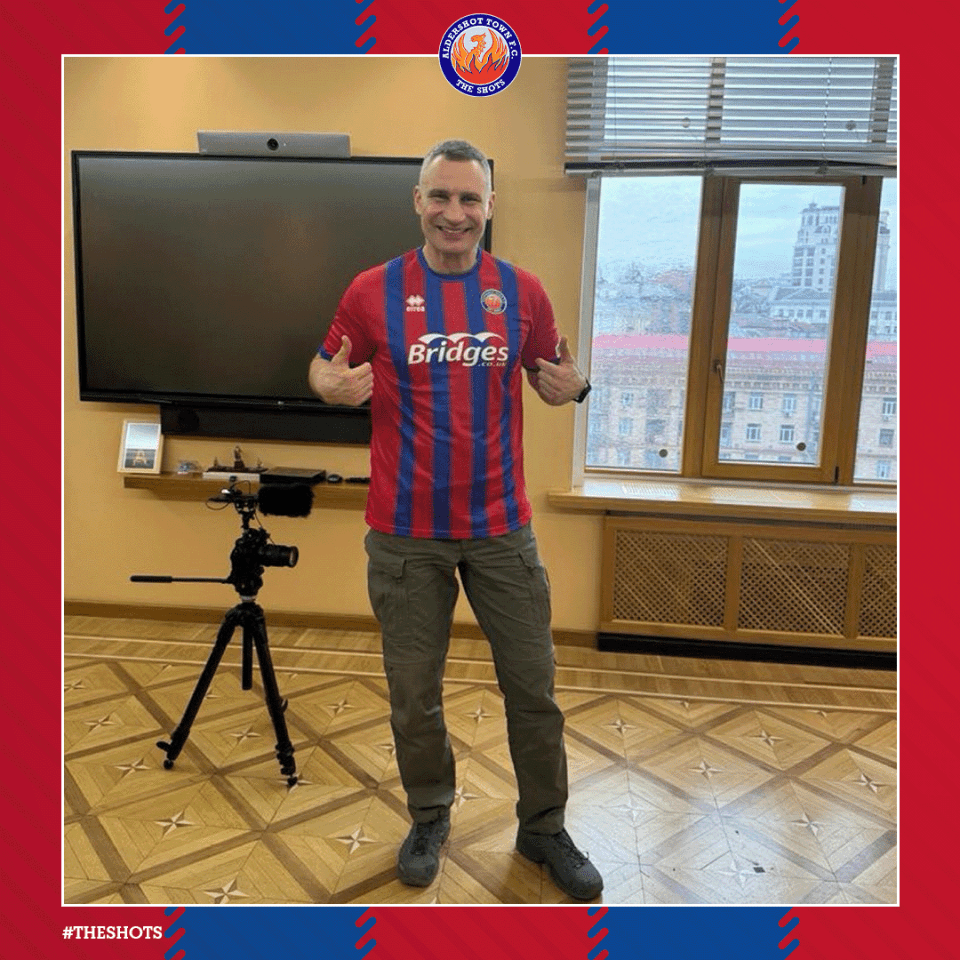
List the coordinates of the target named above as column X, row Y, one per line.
column 458, row 150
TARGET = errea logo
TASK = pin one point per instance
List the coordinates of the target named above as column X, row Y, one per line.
column 415, row 303
column 468, row 349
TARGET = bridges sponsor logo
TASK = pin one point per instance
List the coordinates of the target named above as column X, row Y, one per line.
column 468, row 349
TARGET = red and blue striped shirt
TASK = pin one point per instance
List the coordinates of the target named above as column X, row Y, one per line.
column 447, row 352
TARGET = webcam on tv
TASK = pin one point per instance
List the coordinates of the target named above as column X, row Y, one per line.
column 248, row 143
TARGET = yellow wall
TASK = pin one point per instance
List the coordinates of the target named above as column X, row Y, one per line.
column 387, row 106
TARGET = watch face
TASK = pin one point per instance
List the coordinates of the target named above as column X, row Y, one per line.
column 583, row 393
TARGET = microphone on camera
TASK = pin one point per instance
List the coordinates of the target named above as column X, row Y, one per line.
column 285, row 499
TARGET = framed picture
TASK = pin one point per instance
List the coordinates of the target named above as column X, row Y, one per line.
column 141, row 445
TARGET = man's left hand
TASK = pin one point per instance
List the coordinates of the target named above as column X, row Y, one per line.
column 558, row 383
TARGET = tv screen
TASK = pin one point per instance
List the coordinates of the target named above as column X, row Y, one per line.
column 206, row 283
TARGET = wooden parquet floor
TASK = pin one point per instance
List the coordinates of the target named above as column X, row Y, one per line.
column 692, row 781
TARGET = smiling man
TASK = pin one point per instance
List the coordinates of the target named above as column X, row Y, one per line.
column 437, row 340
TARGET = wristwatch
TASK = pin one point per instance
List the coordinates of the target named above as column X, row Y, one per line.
column 582, row 395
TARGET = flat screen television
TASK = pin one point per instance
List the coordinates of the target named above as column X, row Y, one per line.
column 206, row 283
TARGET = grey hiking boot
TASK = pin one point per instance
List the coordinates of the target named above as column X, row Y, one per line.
column 419, row 858
column 570, row 869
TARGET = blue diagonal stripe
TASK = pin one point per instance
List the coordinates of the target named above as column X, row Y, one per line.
column 266, row 26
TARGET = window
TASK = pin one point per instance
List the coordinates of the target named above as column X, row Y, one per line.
column 878, row 402
column 744, row 280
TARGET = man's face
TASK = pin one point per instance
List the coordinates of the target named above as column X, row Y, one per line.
column 454, row 206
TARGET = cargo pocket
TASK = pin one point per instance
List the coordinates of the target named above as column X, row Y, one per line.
column 538, row 583
column 388, row 592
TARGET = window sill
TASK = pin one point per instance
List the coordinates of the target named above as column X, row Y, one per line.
column 706, row 499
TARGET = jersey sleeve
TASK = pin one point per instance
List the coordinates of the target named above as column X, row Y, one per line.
column 350, row 318
column 544, row 339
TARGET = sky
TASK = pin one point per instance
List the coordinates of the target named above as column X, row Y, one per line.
column 654, row 220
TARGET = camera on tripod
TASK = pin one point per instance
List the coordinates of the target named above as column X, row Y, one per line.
column 253, row 550
column 251, row 553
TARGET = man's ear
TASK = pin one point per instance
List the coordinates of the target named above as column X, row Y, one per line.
column 490, row 200
column 417, row 199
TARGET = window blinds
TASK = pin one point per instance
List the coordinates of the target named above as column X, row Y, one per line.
column 689, row 113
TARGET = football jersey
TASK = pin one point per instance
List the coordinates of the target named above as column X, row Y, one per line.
column 447, row 352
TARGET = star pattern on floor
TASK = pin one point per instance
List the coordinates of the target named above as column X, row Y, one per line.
column 174, row 822
column 679, row 799
column 137, row 766
column 355, row 840
column 479, row 714
column 242, row 735
column 768, row 738
column 812, row 825
column 871, row 785
column 620, row 725
column 101, row 722
column 227, row 893
column 705, row 769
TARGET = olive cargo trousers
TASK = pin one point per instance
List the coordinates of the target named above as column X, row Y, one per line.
column 413, row 589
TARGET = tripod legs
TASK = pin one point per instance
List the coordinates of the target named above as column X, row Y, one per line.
column 249, row 616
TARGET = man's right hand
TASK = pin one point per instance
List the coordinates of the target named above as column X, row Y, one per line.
column 336, row 382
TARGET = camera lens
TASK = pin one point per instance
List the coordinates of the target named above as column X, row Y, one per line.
column 274, row 555
column 273, row 144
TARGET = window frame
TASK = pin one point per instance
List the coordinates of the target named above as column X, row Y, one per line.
column 703, row 408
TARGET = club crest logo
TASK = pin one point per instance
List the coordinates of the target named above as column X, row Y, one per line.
column 480, row 55
column 493, row 301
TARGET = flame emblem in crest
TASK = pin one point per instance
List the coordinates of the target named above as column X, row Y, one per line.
column 480, row 56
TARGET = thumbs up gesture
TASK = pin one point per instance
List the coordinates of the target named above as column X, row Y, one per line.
column 335, row 381
column 558, row 381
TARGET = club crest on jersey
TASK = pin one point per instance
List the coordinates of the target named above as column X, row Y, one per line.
column 467, row 349
column 493, row 301
column 479, row 55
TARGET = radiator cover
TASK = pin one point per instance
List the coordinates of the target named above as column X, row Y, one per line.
column 763, row 582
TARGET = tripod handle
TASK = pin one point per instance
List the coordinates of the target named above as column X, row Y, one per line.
column 149, row 578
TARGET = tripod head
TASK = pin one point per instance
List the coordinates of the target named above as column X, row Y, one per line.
column 253, row 550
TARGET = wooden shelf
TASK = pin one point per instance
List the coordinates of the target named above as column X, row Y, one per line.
column 172, row 486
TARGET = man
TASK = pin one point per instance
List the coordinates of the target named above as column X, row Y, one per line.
column 435, row 339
